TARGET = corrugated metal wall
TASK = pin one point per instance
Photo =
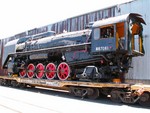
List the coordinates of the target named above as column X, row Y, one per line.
column 79, row 22
column 2, row 71
column 141, row 65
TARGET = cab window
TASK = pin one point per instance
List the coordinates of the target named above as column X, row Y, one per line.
column 107, row 32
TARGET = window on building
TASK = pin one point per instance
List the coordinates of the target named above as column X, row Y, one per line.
column 97, row 33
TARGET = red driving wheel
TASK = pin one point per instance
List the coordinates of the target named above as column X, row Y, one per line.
column 50, row 71
column 63, row 71
column 30, row 70
column 39, row 70
column 22, row 73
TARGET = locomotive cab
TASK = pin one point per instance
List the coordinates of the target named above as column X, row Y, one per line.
column 121, row 34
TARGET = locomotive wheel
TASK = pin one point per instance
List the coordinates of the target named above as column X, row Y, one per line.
column 115, row 96
column 30, row 70
column 63, row 71
column 144, row 99
column 50, row 71
column 22, row 73
column 39, row 70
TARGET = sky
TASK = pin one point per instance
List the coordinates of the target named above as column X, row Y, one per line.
column 17, row 16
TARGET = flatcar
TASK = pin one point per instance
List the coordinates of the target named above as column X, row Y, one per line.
column 87, row 63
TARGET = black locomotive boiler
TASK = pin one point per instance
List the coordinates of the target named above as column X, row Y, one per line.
column 100, row 53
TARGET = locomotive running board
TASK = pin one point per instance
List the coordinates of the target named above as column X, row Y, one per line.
column 52, row 49
column 60, row 48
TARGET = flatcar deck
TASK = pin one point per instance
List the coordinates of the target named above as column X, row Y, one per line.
column 61, row 84
column 58, row 83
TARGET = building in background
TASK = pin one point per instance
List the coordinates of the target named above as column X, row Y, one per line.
column 141, row 65
column 140, row 70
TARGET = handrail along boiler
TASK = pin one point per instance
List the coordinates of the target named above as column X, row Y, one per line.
column 101, row 53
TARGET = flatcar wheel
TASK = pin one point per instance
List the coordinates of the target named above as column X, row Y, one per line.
column 30, row 70
column 14, row 83
column 63, row 71
column 50, row 71
column 22, row 85
column 144, row 99
column 115, row 96
column 1, row 82
column 40, row 70
column 93, row 93
column 22, row 73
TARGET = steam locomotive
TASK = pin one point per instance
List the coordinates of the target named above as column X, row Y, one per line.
column 102, row 52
